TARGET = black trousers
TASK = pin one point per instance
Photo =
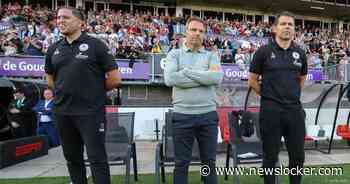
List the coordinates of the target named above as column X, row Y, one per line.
column 27, row 124
column 75, row 131
column 187, row 127
column 278, row 120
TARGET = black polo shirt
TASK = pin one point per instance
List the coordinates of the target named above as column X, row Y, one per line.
column 280, row 70
column 79, row 72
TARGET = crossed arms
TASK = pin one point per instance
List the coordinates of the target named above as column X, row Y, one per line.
column 190, row 78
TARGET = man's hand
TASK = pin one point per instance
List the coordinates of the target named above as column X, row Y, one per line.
column 253, row 82
column 50, row 81
column 14, row 124
column 214, row 68
column 113, row 79
column 14, row 111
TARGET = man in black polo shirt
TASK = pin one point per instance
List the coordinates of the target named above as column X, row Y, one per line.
column 283, row 69
column 80, row 69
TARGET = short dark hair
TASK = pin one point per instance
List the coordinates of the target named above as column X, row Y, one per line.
column 197, row 19
column 283, row 14
column 76, row 12
column 19, row 90
column 48, row 88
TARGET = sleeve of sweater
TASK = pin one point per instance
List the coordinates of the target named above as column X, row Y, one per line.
column 209, row 77
column 172, row 75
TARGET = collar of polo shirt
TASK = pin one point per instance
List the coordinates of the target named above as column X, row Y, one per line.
column 275, row 44
column 81, row 38
column 189, row 50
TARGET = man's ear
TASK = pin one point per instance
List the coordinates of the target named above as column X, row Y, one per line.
column 273, row 28
column 82, row 24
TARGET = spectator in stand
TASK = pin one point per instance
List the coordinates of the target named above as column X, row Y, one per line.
column 12, row 46
column 156, row 48
column 239, row 57
column 227, row 57
column 141, row 28
column 174, row 44
column 33, row 46
column 314, row 60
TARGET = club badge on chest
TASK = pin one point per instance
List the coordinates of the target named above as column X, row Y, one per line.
column 82, row 48
column 296, row 57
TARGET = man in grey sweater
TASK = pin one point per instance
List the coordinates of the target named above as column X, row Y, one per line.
column 194, row 74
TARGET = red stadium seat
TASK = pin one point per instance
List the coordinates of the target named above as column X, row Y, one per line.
column 308, row 138
column 343, row 131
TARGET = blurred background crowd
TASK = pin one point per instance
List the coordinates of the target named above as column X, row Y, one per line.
column 27, row 30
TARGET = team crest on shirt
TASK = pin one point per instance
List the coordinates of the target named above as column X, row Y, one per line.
column 56, row 52
column 83, row 47
column 297, row 63
column 273, row 56
column 296, row 55
column 81, row 56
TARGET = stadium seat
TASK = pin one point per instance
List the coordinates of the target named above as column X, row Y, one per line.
column 314, row 133
column 119, row 140
column 244, row 150
column 328, row 132
column 343, row 131
column 165, row 151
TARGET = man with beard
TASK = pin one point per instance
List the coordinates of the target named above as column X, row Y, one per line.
column 283, row 68
column 80, row 69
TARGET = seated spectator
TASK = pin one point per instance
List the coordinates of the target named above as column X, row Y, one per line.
column 9, row 48
column 315, row 60
column 156, row 48
column 347, row 51
column 143, row 31
column 21, row 116
column 12, row 45
column 239, row 57
column 174, row 44
column 33, row 47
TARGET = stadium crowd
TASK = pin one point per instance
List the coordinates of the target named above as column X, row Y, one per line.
column 132, row 35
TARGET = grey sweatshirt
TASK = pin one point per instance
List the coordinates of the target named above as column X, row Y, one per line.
column 193, row 85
